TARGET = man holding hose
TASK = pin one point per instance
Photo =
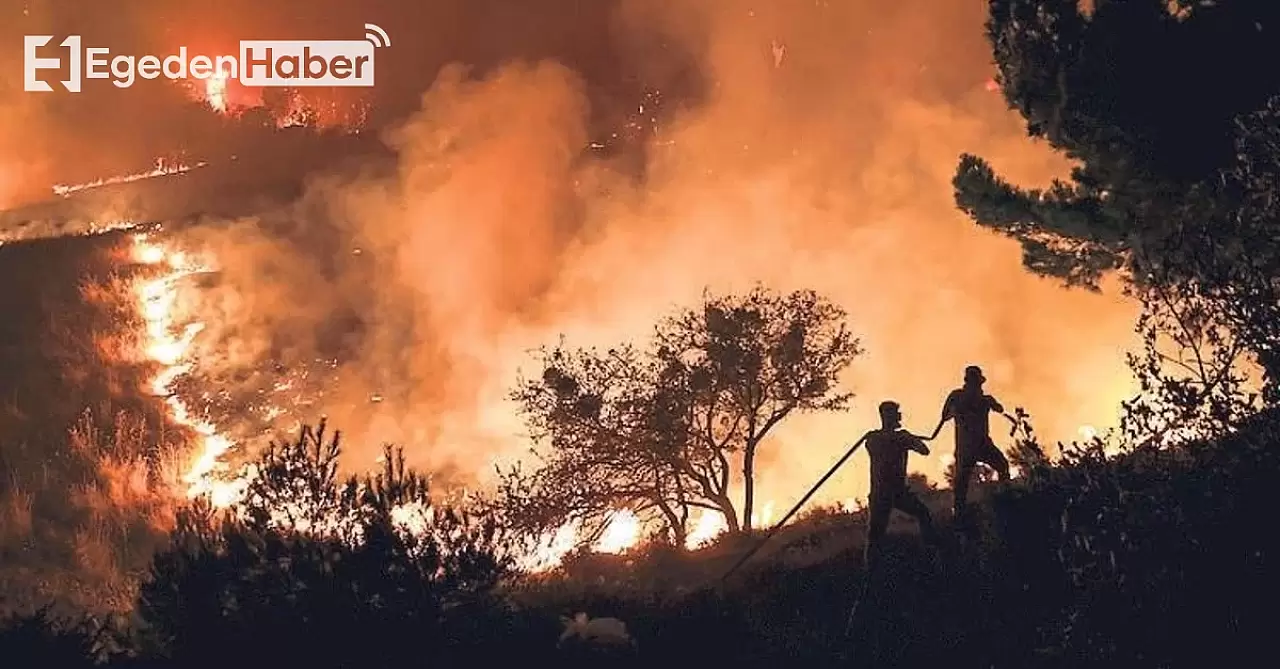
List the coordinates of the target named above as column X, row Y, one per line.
column 887, row 448
column 971, row 408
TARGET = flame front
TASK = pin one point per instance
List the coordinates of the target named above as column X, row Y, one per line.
column 623, row 532
column 162, row 168
column 168, row 342
column 169, row 345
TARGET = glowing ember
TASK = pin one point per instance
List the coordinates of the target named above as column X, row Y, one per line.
column 223, row 96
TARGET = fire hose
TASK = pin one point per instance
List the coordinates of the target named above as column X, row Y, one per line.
column 812, row 491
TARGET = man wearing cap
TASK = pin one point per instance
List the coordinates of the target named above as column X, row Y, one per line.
column 888, row 448
column 971, row 408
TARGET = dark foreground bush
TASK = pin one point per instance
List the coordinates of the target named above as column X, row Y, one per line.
column 40, row 640
column 319, row 573
column 1151, row 559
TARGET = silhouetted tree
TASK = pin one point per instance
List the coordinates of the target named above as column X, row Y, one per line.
column 1191, row 370
column 750, row 361
column 592, row 410
column 296, row 486
column 1118, row 90
column 1186, row 214
column 656, row 430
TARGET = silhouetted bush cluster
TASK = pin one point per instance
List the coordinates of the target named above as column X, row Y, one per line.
column 318, row 572
column 1153, row 557
column 1149, row 558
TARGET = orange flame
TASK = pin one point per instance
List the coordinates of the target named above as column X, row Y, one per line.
column 162, row 168
column 215, row 91
column 168, row 342
column 169, row 346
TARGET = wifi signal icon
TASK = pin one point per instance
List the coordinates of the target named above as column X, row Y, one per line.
column 377, row 36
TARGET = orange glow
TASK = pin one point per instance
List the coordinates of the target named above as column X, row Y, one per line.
column 622, row 533
column 809, row 165
column 326, row 111
column 10, row 180
column 708, row 526
column 216, row 91
column 168, row 344
column 162, row 168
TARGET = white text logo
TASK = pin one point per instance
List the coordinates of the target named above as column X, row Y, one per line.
column 259, row 63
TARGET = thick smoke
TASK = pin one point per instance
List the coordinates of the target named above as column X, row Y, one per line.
column 802, row 144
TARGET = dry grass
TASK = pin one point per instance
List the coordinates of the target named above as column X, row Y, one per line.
column 16, row 517
column 83, row 540
column 95, row 553
column 81, row 508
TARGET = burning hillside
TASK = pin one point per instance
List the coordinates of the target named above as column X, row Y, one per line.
column 580, row 182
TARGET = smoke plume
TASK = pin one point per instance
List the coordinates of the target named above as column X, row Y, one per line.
column 801, row 144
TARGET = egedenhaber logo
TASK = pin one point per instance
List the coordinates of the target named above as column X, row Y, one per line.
column 345, row 63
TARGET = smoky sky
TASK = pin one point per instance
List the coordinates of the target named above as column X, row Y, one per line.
column 798, row 143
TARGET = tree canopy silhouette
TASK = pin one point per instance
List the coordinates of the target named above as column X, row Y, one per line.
column 1177, row 160
column 662, row 430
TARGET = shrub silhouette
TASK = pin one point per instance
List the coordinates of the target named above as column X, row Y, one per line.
column 40, row 640
column 1149, row 557
column 1153, row 557
column 372, row 594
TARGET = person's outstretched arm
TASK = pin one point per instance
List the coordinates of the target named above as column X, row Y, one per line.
column 997, row 407
column 915, row 443
column 913, row 435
